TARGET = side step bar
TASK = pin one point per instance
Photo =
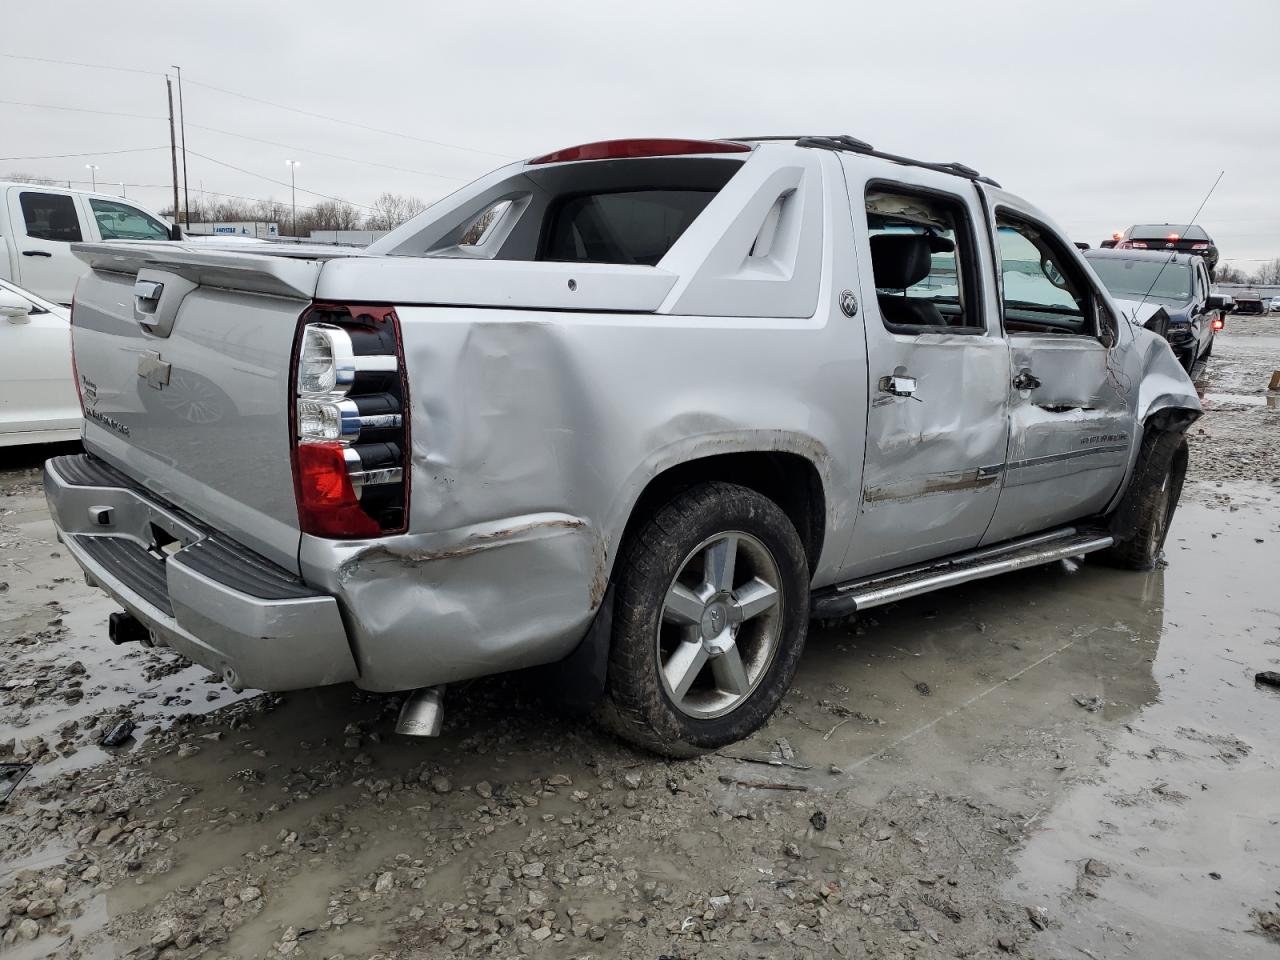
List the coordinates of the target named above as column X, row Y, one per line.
column 846, row 598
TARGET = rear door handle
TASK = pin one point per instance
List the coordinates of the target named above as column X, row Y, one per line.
column 1026, row 380
column 36, row 253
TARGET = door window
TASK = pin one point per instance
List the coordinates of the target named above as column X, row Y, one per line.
column 1044, row 291
column 119, row 221
column 922, row 260
column 50, row 216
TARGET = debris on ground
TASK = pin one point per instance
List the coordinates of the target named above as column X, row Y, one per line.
column 118, row 733
column 1268, row 678
column 1092, row 704
column 11, row 775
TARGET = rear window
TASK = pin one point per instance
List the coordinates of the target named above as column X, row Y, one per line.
column 1161, row 231
column 50, row 216
column 627, row 226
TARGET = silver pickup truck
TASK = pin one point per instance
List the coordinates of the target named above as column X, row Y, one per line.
column 640, row 408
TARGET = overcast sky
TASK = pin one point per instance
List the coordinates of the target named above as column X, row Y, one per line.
column 1102, row 112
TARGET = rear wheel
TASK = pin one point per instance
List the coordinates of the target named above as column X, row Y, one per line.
column 1141, row 522
column 712, row 613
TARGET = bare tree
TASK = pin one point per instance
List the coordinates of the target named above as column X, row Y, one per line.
column 392, row 209
column 1268, row 273
column 29, row 178
column 331, row 215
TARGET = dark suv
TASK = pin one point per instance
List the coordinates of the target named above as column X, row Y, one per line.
column 1142, row 282
column 1168, row 236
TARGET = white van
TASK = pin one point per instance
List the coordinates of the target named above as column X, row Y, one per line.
column 38, row 224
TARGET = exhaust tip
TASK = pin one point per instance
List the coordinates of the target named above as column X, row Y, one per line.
column 422, row 714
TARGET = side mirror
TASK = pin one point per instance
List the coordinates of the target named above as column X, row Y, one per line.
column 1158, row 322
column 1217, row 302
column 14, row 308
column 175, row 232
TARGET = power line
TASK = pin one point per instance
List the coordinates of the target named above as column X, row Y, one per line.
column 105, row 113
column 332, row 156
column 260, row 176
column 351, row 123
column 269, row 103
column 91, row 153
column 77, row 63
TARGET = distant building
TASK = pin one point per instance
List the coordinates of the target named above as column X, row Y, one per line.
column 238, row 228
column 347, row 238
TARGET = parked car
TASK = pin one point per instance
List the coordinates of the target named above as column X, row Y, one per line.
column 38, row 224
column 1144, row 281
column 639, row 408
column 38, row 402
column 1250, row 302
column 1168, row 236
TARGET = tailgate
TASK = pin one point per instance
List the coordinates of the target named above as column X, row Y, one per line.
column 188, row 391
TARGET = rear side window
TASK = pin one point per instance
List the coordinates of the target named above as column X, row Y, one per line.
column 630, row 226
column 50, row 216
column 119, row 221
column 922, row 258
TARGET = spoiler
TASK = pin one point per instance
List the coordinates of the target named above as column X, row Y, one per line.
column 284, row 271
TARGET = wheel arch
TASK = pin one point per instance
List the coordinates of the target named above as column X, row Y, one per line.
column 789, row 479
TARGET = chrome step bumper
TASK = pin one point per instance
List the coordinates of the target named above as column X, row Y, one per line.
column 846, row 598
column 213, row 600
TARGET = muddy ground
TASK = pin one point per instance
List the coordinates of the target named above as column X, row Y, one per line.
column 1066, row 762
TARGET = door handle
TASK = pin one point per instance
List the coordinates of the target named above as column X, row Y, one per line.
column 36, row 253
column 898, row 385
column 1026, row 380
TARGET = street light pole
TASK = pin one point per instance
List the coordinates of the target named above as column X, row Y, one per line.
column 182, row 114
column 293, row 186
column 93, row 172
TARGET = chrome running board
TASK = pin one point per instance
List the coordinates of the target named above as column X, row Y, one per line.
column 846, row 598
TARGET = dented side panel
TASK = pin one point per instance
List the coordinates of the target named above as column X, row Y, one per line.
column 534, row 435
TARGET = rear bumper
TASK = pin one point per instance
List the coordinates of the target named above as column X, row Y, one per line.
column 390, row 614
column 211, row 599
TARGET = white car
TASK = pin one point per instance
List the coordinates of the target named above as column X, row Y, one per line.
column 39, row 223
column 38, row 400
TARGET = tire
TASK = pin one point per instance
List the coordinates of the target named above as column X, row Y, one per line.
column 693, row 664
column 1141, row 522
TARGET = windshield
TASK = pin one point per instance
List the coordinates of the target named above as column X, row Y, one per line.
column 1162, row 231
column 1133, row 279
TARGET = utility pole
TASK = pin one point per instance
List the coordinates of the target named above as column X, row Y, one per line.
column 293, row 186
column 173, row 148
column 182, row 112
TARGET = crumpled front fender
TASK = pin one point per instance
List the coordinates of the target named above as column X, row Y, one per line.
column 1165, row 385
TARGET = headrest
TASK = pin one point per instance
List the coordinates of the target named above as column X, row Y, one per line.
column 900, row 260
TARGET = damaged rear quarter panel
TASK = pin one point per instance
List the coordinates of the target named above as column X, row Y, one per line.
column 533, row 437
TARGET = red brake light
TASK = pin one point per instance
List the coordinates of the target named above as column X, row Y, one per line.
column 1199, row 246
column 629, row 149
column 349, row 426
column 1218, row 323
column 327, row 502
column 1136, row 245
column 1118, row 235
column 1172, row 236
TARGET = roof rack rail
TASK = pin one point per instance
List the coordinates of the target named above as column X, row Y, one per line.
column 854, row 145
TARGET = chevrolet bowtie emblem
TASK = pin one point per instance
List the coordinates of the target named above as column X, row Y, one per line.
column 153, row 370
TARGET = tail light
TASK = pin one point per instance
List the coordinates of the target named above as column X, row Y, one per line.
column 1218, row 323
column 1172, row 236
column 1199, row 246
column 349, row 430
column 1132, row 245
